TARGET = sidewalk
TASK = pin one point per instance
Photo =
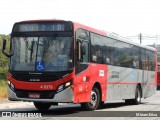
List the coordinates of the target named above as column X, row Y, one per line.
column 4, row 100
column 6, row 104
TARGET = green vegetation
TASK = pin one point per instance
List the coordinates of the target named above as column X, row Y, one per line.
column 3, row 89
column 3, row 67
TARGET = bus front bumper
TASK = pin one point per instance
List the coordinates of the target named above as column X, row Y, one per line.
column 61, row 97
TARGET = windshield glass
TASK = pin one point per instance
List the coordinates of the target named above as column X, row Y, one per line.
column 41, row 53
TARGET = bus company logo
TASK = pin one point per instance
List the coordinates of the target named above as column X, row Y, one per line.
column 18, row 114
column 110, row 74
column 113, row 74
column 6, row 114
column 34, row 80
column 101, row 73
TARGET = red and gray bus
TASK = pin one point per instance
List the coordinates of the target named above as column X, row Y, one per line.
column 57, row 61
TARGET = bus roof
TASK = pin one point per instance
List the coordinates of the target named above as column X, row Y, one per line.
column 121, row 38
column 108, row 34
column 111, row 35
column 42, row 20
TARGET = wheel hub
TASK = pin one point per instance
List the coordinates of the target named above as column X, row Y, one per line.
column 93, row 98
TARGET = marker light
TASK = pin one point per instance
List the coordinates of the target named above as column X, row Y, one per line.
column 9, row 82
column 12, row 86
column 84, row 79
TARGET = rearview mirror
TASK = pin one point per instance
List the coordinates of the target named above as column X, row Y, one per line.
column 4, row 48
column 4, row 45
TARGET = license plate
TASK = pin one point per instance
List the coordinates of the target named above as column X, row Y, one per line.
column 34, row 95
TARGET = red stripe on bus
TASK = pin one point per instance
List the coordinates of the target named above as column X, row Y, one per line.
column 130, row 83
column 122, row 83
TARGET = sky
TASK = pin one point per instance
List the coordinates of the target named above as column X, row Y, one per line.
column 128, row 18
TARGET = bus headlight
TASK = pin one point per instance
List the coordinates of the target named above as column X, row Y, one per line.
column 68, row 84
column 11, row 85
column 9, row 82
column 64, row 86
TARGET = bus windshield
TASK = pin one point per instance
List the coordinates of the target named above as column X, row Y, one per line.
column 42, row 54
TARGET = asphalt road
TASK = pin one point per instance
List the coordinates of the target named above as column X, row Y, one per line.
column 148, row 110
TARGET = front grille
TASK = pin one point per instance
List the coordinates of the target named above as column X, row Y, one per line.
column 35, row 77
column 43, row 94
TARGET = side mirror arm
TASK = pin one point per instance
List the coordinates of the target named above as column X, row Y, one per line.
column 3, row 49
column 8, row 55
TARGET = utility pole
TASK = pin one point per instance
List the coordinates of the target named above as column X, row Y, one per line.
column 140, row 38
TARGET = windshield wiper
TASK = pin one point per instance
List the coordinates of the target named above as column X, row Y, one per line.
column 32, row 45
column 50, row 43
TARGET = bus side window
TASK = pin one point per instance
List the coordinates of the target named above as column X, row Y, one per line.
column 84, row 50
column 82, row 37
column 151, row 60
column 136, row 56
column 96, row 48
column 144, row 60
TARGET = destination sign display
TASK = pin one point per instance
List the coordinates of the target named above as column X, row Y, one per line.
column 29, row 27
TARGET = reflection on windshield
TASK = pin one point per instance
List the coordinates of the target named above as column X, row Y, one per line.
column 41, row 54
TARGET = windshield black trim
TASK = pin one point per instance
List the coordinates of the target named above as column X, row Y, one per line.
column 30, row 76
column 42, row 34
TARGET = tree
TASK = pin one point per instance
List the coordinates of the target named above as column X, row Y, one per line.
column 3, row 58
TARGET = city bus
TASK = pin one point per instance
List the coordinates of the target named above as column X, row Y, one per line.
column 58, row 61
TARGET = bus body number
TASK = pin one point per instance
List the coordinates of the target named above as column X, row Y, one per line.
column 46, row 87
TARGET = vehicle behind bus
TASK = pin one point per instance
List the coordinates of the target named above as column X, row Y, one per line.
column 158, row 77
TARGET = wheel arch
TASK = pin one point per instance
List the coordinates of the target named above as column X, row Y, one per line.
column 98, row 85
column 140, row 86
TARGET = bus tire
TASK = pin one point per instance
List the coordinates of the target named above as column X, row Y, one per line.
column 101, row 105
column 95, row 100
column 128, row 101
column 42, row 106
column 137, row 99
column 138, row 96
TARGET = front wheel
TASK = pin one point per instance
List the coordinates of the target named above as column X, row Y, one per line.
column 42, row 106
column 94, row 102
